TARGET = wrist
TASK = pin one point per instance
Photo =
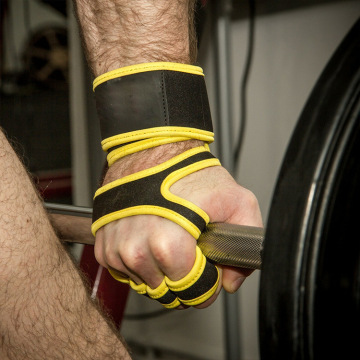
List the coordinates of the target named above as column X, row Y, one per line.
column 148, row 158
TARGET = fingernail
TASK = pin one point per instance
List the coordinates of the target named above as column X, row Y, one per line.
column 236, row 284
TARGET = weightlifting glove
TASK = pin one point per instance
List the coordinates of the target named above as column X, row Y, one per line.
column 144, row 106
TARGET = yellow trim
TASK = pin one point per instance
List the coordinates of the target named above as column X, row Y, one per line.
column 151, row 171
column 159, row 292
column 191, row 278
column 202, row 298
column 172, row 305
column 139, row 288
column 165, row 191
column 147, row 210
column 181, row 173
column 118, row 277
column 160, row 131
column 139, row 68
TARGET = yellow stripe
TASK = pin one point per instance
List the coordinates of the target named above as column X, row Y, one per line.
column 159, row 292
column 181, row 173
column 139, row 288
column 202, row 298
column 117, row 277
column 151, row 171
column 160, row 131
column 147, row 210
column 169, row 180
column 139, row 68
column 172, row 305
column 193, row 276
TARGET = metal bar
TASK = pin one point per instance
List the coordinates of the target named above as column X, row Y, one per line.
column 225, row 244
column 70, row 210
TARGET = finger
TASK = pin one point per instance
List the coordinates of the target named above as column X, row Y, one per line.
column 120, row 272
column 212, row 299
column 99, row 248
column 193, row 283
column 119, row 249
column 199, row 285
column 233, row 278
column 135, row 256
column 174, row 255
column 173, row 249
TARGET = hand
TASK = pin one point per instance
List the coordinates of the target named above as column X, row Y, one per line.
column 146, row 247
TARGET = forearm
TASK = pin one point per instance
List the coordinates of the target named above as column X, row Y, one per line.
column 157, row 252
column 45, row 310
column 117, row 33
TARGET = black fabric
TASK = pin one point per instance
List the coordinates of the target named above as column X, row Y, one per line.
column 119, row 146
column 146, row 191
column 206, row 281
column 168, row 298
column 152, row 99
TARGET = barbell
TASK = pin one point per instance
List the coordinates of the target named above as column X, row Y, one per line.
column 309, row 302
column 225, row 244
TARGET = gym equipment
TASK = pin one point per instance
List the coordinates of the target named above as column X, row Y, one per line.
column 310, row 261
column 46, row 57
column 225, row 244
column 310, row 279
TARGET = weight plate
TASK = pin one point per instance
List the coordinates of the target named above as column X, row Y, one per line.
column 310, row 278
column 46, row 57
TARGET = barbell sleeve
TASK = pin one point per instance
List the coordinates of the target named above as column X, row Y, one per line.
column 225, row 244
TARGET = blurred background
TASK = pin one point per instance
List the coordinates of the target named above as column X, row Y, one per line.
column 261, row 60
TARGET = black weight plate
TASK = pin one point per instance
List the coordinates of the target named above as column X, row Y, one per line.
column 310, row 278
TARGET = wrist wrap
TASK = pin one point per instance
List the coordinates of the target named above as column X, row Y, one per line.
column 144, row 106
column 148, row 105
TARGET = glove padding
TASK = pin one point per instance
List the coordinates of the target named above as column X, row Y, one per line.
column 147, row 192
column 195, row 288
column 144, row 106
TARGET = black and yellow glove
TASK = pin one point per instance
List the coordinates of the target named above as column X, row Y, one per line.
column 144, row 106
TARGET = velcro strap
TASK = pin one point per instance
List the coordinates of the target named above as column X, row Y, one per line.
column 148, row 192
column 152, row 95
column 194, row 289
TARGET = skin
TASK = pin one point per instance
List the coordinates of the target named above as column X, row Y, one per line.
column 118, row 33
column 45, row 308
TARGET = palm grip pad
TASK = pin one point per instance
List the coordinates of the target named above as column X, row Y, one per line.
column 148, row 192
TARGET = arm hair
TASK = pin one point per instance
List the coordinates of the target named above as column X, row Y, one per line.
column 45, row 308
column 118, row 33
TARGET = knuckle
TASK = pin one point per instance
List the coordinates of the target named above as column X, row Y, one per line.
column 173, row 252
column 161, row 250
column 133, row 257
column 175, row 259
column 247, row 200
column 111, row 258
column 106, row 252
column 251, row 201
